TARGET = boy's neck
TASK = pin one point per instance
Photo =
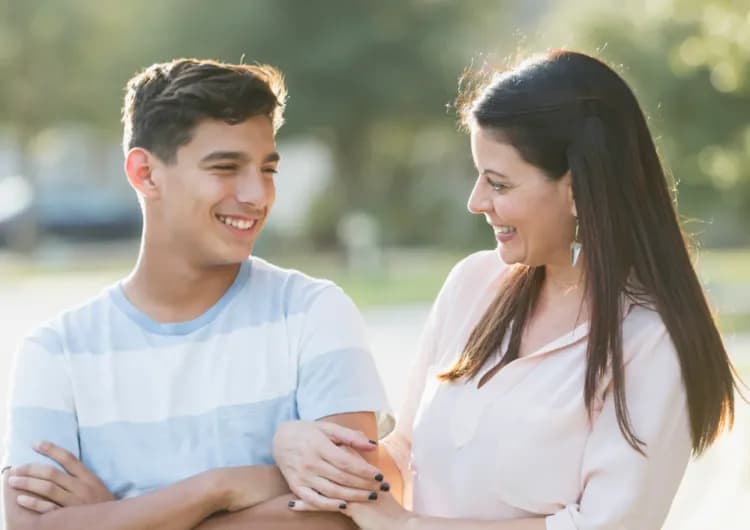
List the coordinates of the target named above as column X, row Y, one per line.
column 169, row 288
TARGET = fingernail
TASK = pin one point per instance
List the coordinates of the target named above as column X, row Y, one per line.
column 41, row 446
column 373, row 496
column 24, row 500
column 385, row 486
column 342, row 506
column 291, row 504
column 379, row 477
column 373, row 442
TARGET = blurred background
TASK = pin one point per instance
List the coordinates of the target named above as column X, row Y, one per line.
column 375, row 177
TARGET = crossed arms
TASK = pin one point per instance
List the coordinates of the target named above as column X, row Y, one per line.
column 221, row 499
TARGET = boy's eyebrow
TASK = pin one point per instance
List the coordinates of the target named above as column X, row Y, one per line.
column 237, row 156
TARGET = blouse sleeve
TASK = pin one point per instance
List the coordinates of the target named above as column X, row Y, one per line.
column 622, row 489
column 398, row 442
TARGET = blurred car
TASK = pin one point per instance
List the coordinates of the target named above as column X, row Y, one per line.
column 16, row 212
column 87, row 213
column 73, row 212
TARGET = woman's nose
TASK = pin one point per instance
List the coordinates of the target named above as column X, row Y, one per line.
column 479, row 201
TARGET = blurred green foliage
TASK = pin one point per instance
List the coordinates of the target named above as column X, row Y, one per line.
column 372, row 80
column 406, row 276
column 689, row 63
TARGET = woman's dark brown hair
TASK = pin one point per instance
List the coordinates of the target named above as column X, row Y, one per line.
column 567, row 111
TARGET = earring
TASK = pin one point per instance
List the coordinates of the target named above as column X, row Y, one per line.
column 575, row 247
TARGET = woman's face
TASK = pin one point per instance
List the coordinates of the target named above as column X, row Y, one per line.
column 533, row 217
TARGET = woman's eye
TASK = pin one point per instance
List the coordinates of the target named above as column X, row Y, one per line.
column 225, row 168
column 270, row 170
column 497, row 186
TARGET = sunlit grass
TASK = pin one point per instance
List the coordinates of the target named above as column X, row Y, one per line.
column 724, row 266
column 401, row 277
column 405, row 276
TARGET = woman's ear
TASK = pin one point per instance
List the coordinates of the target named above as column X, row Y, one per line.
column 138, row 168
column 567, row 182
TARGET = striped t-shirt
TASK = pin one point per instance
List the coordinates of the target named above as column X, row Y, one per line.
column 144, row 404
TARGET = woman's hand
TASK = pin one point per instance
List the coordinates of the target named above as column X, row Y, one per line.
column 322, row 466
column 384, row 514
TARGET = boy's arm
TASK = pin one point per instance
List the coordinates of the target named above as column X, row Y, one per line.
column 276, row 515
column 178, row 507
column 42, row 408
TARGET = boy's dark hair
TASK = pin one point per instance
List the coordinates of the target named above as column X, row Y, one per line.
column 164, row 102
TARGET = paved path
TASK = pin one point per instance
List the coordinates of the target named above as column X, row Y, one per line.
column 714, row 495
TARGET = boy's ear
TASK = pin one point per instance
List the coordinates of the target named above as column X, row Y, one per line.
column 139, row 165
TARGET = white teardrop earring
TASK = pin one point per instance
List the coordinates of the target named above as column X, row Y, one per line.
column 575, row 247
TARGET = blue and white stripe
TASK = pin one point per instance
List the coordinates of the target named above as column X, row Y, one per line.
column 144, row 404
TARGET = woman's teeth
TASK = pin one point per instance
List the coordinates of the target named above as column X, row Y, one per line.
column 504, row 229
column 241, row 224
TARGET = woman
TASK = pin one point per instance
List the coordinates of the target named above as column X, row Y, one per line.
column 564, row 380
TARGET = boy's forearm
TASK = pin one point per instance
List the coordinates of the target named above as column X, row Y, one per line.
column 178, row 507
column 276, row 515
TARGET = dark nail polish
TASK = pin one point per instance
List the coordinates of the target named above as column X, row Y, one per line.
column 379, row 477
column 342, row 506
column 373, row 496
column 385, row 486
column 373, row 442
column 291, row 504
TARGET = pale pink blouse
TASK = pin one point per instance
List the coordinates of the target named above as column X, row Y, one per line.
column 523, row 444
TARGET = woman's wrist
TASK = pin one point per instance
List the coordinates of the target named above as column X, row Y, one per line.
column 413, row 521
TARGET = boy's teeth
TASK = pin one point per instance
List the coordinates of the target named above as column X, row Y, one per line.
column 236, row 223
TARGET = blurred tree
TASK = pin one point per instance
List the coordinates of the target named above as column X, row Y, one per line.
column 368, row 78
column 371, row 79
column 64, row 60
column 688, row 61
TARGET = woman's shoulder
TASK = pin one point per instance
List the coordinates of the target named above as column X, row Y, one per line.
column 474, row 277
column 645, row 334
column 484, row 266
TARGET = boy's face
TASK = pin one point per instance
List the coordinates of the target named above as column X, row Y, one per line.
column 215, row 197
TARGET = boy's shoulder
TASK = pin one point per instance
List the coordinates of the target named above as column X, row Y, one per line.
column 55, row 332
column 271, row 289
column 275, row 273
column 294, row 287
